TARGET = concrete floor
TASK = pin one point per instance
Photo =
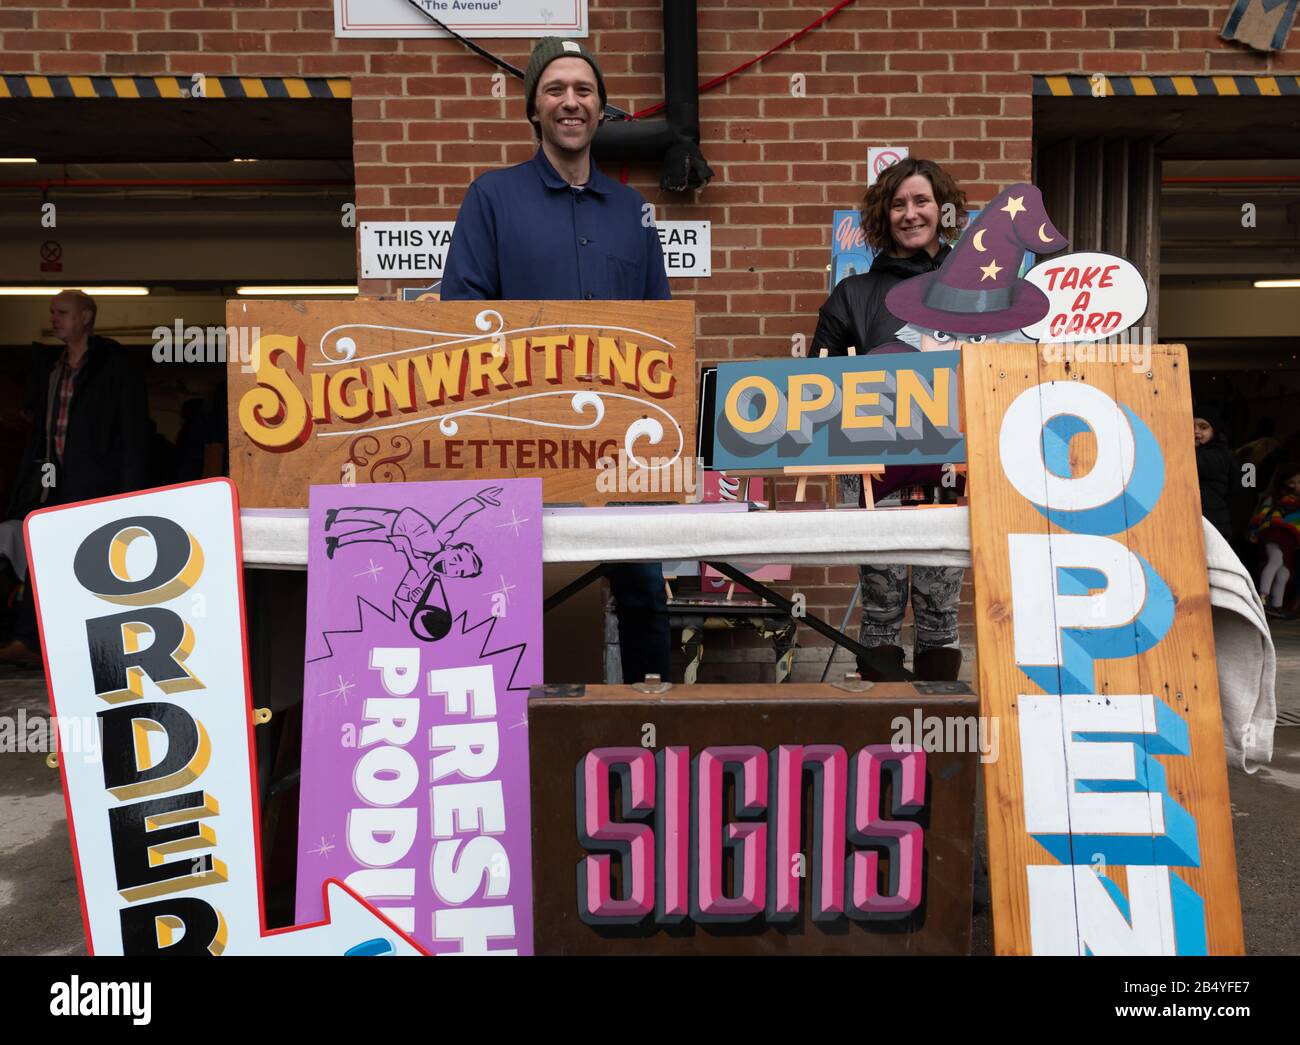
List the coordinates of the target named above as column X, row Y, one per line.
column 39, row 911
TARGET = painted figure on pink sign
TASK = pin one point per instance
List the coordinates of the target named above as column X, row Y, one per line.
column 427, row 547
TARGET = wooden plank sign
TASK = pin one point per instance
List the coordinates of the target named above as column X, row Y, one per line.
column 753, row 819
column 838, row 413
column 141, row 611
column 1110, row 830
column 595, row 398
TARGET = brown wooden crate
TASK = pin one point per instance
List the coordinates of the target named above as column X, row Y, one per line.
column 305, row 416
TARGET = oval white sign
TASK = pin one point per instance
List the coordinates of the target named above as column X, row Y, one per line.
column 1093, row 296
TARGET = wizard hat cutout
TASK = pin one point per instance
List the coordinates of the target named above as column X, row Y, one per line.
column 977, row 290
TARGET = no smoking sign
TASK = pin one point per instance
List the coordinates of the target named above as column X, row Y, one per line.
column 882, row 157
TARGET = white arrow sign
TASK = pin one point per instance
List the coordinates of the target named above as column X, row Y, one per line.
column 140, row 602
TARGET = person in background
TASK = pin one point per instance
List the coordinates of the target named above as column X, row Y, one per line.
column 1276, row 529
column 901, row 221
column 1216, row 468
column 556, row 228
column 90, row 437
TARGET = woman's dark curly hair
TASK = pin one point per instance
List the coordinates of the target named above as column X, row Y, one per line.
column 879, row 199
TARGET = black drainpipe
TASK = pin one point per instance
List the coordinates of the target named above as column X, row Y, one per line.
column 676, row 137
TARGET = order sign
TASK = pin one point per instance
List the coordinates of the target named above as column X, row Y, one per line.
column 142, row 627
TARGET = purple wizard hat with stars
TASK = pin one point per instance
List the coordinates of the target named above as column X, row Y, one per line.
column 977, row 290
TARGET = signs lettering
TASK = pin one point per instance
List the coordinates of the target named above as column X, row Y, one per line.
column 756, row 819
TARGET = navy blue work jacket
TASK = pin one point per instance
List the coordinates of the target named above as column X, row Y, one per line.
column 524, row 233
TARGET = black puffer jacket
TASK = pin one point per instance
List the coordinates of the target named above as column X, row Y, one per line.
column 855, row 313
column 1215, row 469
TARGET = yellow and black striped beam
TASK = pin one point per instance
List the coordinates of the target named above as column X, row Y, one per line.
column 173, row 87
column 1074, row 86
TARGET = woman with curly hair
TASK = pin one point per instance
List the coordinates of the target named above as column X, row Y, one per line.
column 905, row 217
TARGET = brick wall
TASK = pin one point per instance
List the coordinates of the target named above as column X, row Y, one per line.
column 951, row 78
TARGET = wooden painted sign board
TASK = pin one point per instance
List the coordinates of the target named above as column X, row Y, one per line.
column 790, row 819
column 838, row 413
column 1110, row 830
column 141, row 611
column 597, row 399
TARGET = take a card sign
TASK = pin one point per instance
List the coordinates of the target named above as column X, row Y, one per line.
column 754, row 819
column 140, row 606
column 890, row 408
column 384, row 391
column 424, row 629
column 1109, row 825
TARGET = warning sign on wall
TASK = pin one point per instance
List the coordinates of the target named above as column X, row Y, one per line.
column 404, row 249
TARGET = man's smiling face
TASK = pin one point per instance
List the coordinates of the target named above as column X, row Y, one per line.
column 568, row 104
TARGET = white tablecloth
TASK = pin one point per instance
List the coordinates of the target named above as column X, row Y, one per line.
column 927, row 537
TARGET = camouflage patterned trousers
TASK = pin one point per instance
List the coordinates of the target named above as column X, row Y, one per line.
column 936, row 591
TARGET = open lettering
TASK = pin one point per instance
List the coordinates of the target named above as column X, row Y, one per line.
column 1091, row 784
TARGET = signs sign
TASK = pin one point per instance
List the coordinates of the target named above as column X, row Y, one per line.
column 1109, row 825
column 375, row 392
column 476, row 19
column 887, row 408
column 404, row 249
column 142, row 625
column 1092, row 295
column 423, row 636
column 753, row 819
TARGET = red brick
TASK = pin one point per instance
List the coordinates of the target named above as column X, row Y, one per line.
column 1078, row 39
column 305, row 43
column 1116, row 17
column 1188, row 17
column 1133, row 39
column 976, row 106
column 1025, row 40
column 959, row 41
column 859, row 62
column 135, row 64
column 887, row 83
column 64, row 19
column 924, row 61
column 60, row 63
column 101, row 42
column 919, row 105
column 987, row 19
column 953, row 84
column 16, row 19
column 135, row 20
column 164, row 42
column 201, row 20
column 952, row 128
column 266, row 20
column 1050, row 18
column 17, row 40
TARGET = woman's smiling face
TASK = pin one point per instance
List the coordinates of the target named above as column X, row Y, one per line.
column 914, row 216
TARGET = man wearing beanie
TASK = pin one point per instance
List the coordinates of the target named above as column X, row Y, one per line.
column 555, row 228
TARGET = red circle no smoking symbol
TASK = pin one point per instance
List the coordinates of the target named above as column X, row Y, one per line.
column 51, row 251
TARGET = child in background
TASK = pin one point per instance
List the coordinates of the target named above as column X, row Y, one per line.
column 1276, row 529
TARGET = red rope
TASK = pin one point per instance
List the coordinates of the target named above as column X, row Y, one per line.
column 717, row 80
